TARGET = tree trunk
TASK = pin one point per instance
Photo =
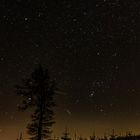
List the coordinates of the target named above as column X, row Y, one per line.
column 40, row 122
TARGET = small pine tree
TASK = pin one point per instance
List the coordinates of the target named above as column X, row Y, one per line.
column 66, row 135
column 20, row 137
column 38, row 93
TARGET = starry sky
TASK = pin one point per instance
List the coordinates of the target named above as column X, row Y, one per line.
column 91, row 49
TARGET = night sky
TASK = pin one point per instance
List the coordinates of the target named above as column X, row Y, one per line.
column 92, row 50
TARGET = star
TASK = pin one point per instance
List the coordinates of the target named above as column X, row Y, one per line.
column 68, row 112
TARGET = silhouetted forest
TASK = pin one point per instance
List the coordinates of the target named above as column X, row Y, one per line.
column 38, row 92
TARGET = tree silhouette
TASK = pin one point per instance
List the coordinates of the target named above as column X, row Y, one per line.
column 65, row 135
column 38, row 93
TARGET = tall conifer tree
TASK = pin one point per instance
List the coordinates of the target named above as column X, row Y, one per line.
column 38, row 93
